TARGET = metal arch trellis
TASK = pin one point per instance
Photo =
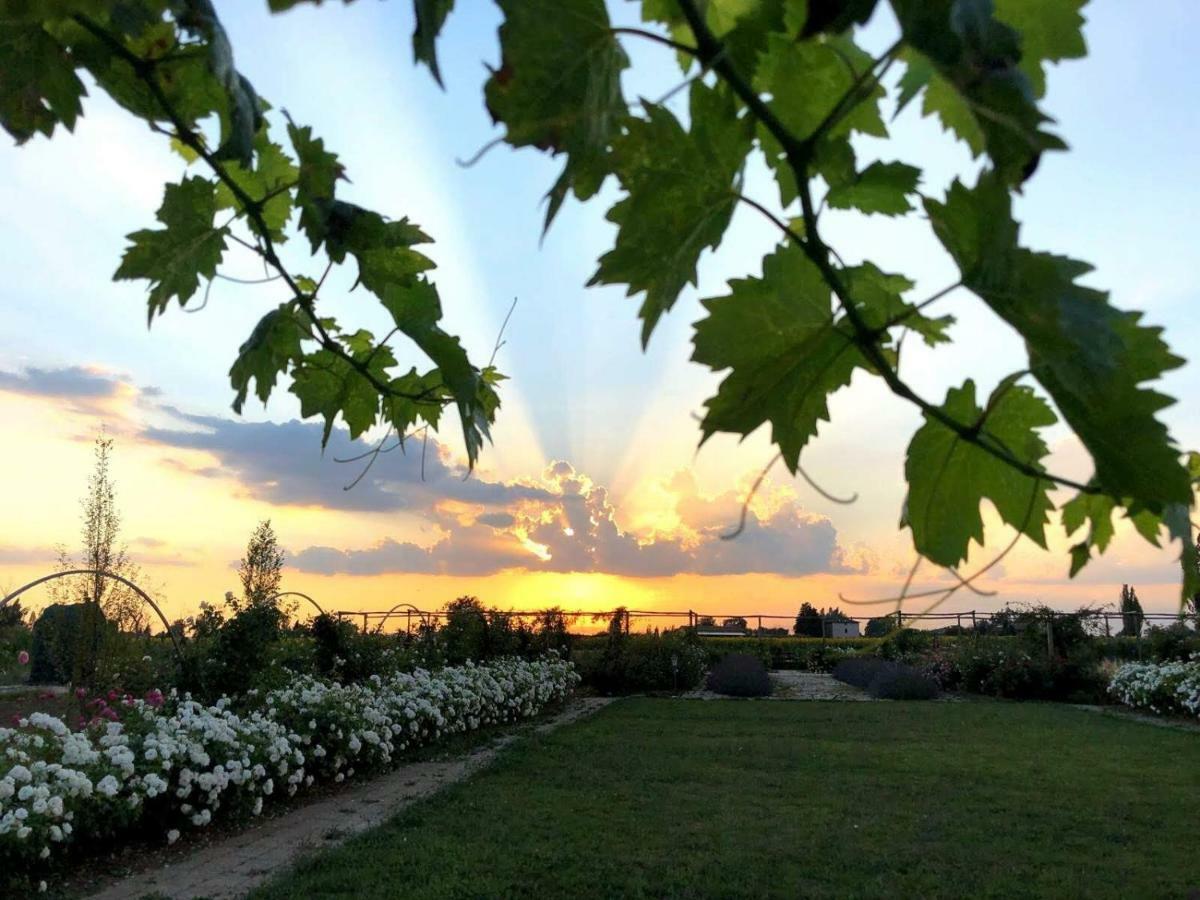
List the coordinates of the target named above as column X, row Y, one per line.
column 423, row 616
column 94, row 572
column 299, row 594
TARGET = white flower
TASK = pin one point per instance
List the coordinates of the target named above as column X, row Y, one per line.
column 172, row 835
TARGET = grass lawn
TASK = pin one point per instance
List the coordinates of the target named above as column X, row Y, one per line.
column 672, row 798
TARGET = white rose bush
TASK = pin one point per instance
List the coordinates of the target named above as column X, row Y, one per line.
column 168, row 767
column 1170, row 688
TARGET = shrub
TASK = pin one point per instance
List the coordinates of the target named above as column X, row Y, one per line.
column 66, row 643
column 1173, row 642
column 882, row 626
column 900, row 682
column 740, row 675
column 905, row 644
column 628, row 663
column 860, row 671
column 180, row 764
column 1171, row 688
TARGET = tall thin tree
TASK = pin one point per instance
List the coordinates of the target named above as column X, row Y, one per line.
column 261, row 569
column 102, row 551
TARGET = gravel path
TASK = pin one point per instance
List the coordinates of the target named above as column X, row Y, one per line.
column 792, row 685
column 230, row 868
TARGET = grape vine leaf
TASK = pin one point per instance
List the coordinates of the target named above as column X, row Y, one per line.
column 879, row 299
column 271, row 178
column 1089, row 355
column 382, row 247
column 979, row 56
column 949, row 477
column 879, row 188
column 329, row 385
column 430, row 15
column 558, row 88
column 271, row 348
column 176, row 257
column 38, row 85
column 680, row 198
column 1050, row 32
column 316, row 182
column 786, row 352
column 416, row 310
column 806, row 81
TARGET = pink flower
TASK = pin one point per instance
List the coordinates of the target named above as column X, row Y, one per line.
column 154, row 697
column 16, row 721
column 80, row 692
column 112, row 696
column 23, row 657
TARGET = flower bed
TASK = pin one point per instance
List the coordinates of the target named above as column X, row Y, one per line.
column 180, row 765
column 1171, row 688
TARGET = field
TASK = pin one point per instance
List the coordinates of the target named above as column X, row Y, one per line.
column 669, row 798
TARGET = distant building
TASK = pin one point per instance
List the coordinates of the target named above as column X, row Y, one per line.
column 843, row 629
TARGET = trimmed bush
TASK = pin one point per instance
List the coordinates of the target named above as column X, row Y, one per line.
column 886, row 679
column 860, row 671
column 900, row 682
column 740, row 675
column 66, row 643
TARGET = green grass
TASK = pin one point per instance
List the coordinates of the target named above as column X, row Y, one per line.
column 670, row 798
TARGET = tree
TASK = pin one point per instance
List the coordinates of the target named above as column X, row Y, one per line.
column 808, row 621
column 735, row 623
column 882, row 626
column 261, row 569
column 784, row 81
column 1131, row 612
column 102, row 551
column 1196, row 596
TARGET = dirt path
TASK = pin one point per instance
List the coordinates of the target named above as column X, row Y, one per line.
column 230, row 868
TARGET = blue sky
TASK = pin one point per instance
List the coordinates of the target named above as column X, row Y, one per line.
column 582, row 390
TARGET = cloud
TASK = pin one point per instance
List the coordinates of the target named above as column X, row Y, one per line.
column 575, row 530
column 282, row 463
column 557, row 521
column 74, row 382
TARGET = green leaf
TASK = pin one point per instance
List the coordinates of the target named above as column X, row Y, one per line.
column 431, row 15
column 742, row 26
column 778, row 336
column 807, row 80
column 416, row 310
column 38, row 85
column 1089, row 355
column 318, row 175
column 979, row 55
column 329, row 386
column 917, row 74
column 835, row 16
column 558, row 87
column 175, row 258
column 271, row 348
column 1050, row 32
column 879, row 188
column 1096, row 509
column 242, row 112
column 381, row 247
column 878, row 297
column 948, row 477
column 680, row 199
column 1177, row 518
column 271, row 176
column 954, row 112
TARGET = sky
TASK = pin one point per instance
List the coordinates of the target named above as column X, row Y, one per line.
column 594, row 494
